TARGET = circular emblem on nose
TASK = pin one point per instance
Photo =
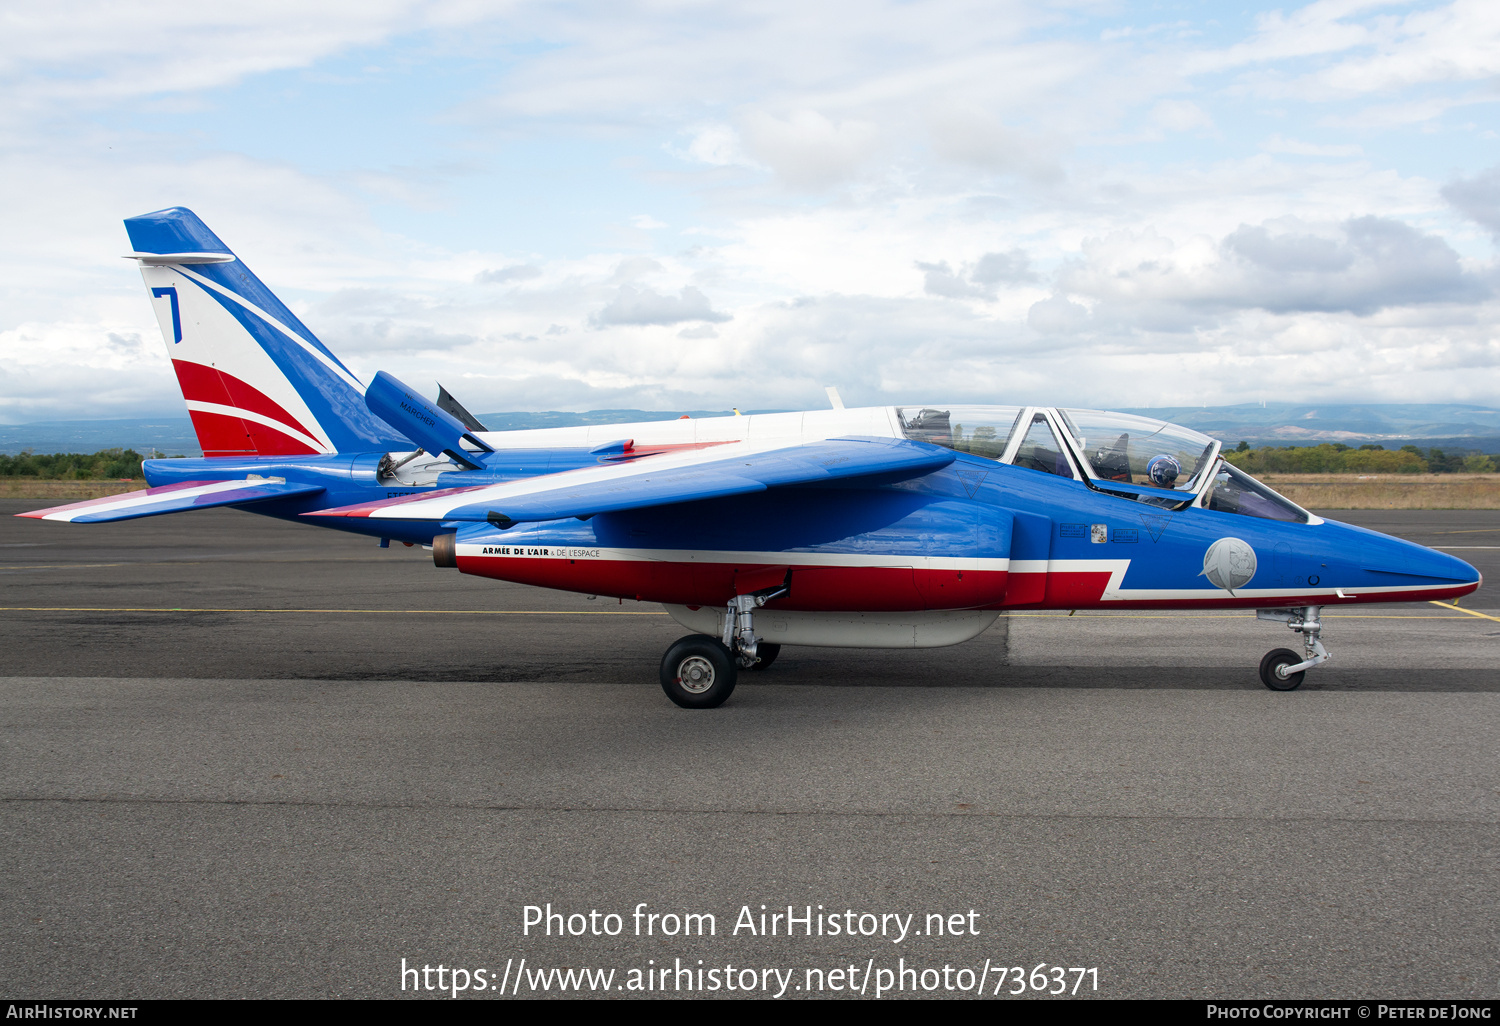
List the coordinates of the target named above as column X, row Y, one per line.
column 1229, row 563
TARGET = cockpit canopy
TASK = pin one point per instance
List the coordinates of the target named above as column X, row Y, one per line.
column 1123, row 447
column 1150, row 461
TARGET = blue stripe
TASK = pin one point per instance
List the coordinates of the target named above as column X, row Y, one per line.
column 338, row 407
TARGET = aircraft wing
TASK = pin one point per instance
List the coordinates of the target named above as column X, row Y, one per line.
column 173, row 498
column 735, row 469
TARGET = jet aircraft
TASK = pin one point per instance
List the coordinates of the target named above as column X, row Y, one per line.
column 885, row 527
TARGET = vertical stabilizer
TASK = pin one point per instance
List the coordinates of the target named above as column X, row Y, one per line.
column 256, row 381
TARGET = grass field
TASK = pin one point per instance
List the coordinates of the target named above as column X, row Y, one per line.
column 1314, row 491
column 1389, row 491
column 63, row 491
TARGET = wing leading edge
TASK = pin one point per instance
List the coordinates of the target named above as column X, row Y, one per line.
column 662, row 480
column 173, row 498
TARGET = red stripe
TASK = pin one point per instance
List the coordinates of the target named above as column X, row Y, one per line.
column 873, row 589
column 220, row 435
column 637, row 451
column 824, row 588
column 211, row 385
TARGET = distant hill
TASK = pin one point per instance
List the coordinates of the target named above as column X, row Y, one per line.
column 1445, row 425
column 1306, row 424
column 171, row 436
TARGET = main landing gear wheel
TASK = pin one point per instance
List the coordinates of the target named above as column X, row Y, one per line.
column 1274, row 661
column 765, row 654
column 698, row 672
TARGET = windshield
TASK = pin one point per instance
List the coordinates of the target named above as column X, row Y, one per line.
column 1234, row 491
column 981, row 430
column 1138, row 450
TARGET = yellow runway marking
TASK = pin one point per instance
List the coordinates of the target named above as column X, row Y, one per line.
column 404, row 612
column 1471, row 612
column 189, row 562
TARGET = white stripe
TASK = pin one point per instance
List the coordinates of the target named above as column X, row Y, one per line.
column 131, row 501
column 311, row 349
column 690, row 556
column 235, row 411
column 1310, row 595
column 1116, row 568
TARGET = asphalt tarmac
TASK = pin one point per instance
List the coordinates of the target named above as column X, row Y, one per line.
column 245, row 758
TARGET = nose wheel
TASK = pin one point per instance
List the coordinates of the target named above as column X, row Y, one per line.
column 1282, row 669
column 1273, row 670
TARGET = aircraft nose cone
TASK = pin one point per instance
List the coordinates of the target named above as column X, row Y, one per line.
column 1381, row 554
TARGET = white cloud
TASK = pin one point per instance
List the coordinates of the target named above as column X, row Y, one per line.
column 932, row 200
column 967, row 134
column 1378, row 51
column 1180, row 116
column 715, row 144
column 96, row 52
column 643, row 306
column 1360, row 266
column 979, row 280
column 507, row 275
column 1478, row 197
column 1281, row 144
column 808, row 150
column 1057, row 315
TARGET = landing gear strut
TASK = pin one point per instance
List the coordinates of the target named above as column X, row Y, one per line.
column 1281, row 670
column 700, row 672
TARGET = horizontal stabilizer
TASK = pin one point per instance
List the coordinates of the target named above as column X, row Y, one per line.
column 165, row 259
column 173, row 498
column 734, row 469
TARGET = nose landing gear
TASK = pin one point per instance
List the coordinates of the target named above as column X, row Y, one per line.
column 1281, row 670
column 699, row 672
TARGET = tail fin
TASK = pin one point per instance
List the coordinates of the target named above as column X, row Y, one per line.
column 256, row 381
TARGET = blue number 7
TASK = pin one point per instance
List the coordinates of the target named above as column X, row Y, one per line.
column 171, row 293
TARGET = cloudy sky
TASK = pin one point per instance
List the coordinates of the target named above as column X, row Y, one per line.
column 666, row 204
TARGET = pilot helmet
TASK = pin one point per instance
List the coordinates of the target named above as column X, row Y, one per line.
column 1163, row 471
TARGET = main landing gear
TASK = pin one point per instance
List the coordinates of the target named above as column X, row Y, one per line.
column 1282, row 669
column 699, row 672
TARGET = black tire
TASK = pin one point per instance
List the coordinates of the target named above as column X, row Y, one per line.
column 765, row 654
column 698, row 672
column 1281, row 657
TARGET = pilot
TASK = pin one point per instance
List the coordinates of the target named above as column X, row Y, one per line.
column 1163, row 471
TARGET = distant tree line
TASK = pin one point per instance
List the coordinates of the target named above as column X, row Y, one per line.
column 73, row 466
column 1337, row 458
column 1328, row 458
